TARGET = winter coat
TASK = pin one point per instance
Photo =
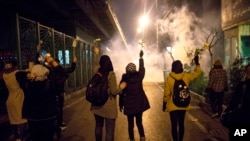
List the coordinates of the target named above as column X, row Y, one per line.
column 169, row 85
column 135, row 100
column 109, row 109
column 60, row 76
column 39, row 102
column 40, row 96
column 15, row 98
column 241, row 98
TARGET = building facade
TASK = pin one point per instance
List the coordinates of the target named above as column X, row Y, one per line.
column 236, row 27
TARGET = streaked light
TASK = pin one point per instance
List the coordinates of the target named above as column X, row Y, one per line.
column 108, row 49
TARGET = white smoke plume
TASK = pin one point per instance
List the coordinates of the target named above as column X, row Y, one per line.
column 186, row 30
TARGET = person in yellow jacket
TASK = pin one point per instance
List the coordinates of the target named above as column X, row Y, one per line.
column 177, row 114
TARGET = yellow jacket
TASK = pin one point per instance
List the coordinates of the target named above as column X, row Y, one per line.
column 169, row 85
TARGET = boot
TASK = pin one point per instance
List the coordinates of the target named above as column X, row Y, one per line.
column 142, row 139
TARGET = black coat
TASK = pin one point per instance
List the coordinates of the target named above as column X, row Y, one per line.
column 39, row 101
column 133, row 97
column 40, row 96
column 240, row 103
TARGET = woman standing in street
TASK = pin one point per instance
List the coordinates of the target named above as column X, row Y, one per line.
column 177, row 113
column 133, row 98
column 108, row 112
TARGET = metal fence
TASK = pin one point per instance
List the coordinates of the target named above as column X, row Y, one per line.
column 33, row 38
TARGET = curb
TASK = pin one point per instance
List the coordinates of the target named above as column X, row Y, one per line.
column 74, row 94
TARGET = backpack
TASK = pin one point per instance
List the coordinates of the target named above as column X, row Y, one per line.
column 97, row 87
column 181, row 94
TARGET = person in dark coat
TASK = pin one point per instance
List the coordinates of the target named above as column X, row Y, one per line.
column 40, row 99
column 68, row 70
column 239, row 108
column 3, row 89
column 133, row 99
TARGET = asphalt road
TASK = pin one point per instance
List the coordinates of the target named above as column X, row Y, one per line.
column 80, row 121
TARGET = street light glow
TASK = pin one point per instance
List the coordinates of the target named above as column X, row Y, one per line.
column 169, row 49
column 143, row 21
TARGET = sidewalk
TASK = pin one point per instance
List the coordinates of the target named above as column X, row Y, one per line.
column 201, row 113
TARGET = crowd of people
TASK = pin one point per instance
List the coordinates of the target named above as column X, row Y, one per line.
column 35, row 97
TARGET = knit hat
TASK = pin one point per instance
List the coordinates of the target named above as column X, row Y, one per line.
column 40, row 72
column 131, row 67
column 177, row 66
column 217, row 63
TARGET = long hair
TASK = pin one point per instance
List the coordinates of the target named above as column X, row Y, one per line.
column 105, row 64
column 177, row 66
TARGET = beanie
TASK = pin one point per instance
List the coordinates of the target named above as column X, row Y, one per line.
column 131, row 67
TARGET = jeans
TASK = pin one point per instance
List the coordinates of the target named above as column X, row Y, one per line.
column 60, row 109
column 177, row 120
column 139, row 125
column 109, row 126
column 216, row 100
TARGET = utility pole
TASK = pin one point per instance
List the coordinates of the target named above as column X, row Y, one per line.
column 157, row 25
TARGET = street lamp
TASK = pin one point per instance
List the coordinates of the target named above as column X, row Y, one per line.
column 143, row 22
column 169, row 50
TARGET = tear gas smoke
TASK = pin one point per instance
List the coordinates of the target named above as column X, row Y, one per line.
column 186, row 36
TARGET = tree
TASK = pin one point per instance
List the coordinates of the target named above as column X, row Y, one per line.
column 210, row 40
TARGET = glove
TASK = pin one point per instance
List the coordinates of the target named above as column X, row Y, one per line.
column 196, row 60
column 164, row 106
column 141, row 53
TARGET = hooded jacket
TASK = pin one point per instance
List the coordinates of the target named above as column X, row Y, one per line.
column 169, row 85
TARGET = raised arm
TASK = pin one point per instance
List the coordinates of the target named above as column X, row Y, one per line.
column 141, row 66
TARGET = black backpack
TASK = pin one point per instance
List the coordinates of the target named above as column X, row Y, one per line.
column 181, row 93
column 97, row 87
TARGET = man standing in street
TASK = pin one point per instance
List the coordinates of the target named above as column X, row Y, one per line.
column 217, row 85
column 61, row 124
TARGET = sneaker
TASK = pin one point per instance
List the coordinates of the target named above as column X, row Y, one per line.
column 63, row 127
column 215, row 115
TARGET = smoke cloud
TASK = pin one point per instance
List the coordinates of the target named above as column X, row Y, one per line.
column 187, row 32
